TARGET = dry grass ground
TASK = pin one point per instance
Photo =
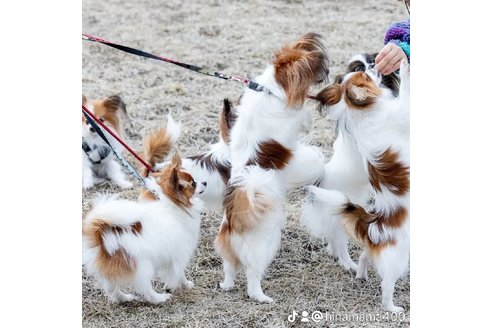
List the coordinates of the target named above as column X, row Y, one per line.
column 236, row 37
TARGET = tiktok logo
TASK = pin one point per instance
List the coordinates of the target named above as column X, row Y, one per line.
column 293, row 316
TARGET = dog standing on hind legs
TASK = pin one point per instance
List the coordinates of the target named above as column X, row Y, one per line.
column 345, row 170
column 377, row 127
column 263, row 145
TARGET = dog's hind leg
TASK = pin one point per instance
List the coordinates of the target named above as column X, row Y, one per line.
column 254, row 285
column 229, row 276
column 115, row 294
column 388, row 288
column 339, row 248
column 143, row 284
column 362, row 266
column 391, row 264
column 175, row 278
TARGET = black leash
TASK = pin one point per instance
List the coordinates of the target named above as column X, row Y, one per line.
column 244, row 81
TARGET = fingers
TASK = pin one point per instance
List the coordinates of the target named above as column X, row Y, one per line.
column 385, row 51
column 389, row 58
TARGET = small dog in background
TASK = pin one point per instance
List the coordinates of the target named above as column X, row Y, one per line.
column 98, row 161
column 374, row 152
column 127, row 243
column 263, row 145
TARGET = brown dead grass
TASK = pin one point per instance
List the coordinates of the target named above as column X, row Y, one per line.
column 237, row 38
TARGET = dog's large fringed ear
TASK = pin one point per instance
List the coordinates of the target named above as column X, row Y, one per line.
column 330, row 95
column 176, row 161
column 361, row 91
column 174, row 179
column 300, row 65
column 115, row 103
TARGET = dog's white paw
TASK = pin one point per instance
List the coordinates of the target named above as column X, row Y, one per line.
column 87, row 184
column 226, row 287
column 329, row 250
column 393, row 308
column 158, row 298
column 188, row 284
column 348, row 265
column 122, row 298
column 262, row 298
column 362, row 275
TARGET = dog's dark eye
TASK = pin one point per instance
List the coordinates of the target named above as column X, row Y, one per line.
column 360, row 68
column 193, row 184
column 101, row 119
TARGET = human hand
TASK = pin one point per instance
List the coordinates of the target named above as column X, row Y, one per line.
column 389, row 58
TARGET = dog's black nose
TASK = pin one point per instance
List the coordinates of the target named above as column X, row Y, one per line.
column 92, row 129
column 204, row 184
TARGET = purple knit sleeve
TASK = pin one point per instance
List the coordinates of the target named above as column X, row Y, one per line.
column 399, row 34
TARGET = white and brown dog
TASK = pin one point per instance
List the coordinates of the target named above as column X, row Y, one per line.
column 98, row 161
column 265, row 158
column 214, row 165
column 129, row 243
column 372, row 156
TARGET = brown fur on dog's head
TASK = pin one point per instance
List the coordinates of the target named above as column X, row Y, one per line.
column 176, row 184
column 108, row 110
column 300, row 65
column 359, row 91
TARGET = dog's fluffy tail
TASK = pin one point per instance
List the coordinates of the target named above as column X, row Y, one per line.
column 368, row 228
column 227, row 119
column 159, row 143
column 103, row 250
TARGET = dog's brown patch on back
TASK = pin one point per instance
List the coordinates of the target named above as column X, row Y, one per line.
column 207, row 161
column 299, row 65
column 118, row 265
column 271, row 155
column 390, row 172
column 227, row 119
column 136, row 228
